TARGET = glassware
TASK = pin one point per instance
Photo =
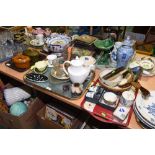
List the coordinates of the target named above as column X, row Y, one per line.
column 2, row 56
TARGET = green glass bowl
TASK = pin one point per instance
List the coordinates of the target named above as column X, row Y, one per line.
column 104, row 44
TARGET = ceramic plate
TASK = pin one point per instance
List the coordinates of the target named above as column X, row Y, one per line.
column 102, row 44
column 147, row 64
column 36, row 77
column 86, row 38
column 59, row 77
column 142, row 119
column 137, row 63
column 88, row 60
column 35, row 42
column 146, row 107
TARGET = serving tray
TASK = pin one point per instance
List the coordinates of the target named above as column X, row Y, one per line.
column 61, row 87
column 103, row 114
column 11, row 65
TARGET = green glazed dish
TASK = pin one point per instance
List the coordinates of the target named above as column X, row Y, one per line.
column 104, row 44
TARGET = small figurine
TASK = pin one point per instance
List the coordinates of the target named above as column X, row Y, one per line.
column 48, row 32
column 77, row 88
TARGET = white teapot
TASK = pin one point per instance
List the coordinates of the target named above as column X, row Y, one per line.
column 77, row 71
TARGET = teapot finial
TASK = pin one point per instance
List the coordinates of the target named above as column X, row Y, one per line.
column 76, row 57
column 128, row 38
column 128, row 41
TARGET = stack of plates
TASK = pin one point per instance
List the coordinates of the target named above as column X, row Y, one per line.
column 145, row 110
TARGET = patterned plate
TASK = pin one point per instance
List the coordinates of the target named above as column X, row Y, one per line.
column 142, row 120
column 146, row 107
column 138, row 62
column 35, row 42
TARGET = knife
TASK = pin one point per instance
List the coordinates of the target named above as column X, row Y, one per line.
column 113, row 72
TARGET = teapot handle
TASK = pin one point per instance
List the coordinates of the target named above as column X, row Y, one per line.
column 64, row 68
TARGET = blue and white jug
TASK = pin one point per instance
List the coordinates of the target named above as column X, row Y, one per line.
column 122, row 55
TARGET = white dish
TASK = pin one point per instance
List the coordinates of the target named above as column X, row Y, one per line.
column 89, row 106
column 62, row 77
column 146, row 72
column 110, row 97
column 88, row 60
column 146, row 64
column 35, row 42
column 146, row 107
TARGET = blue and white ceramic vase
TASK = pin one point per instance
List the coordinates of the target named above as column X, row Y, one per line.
column 125, row 52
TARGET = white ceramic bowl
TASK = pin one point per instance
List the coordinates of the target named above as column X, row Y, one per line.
column 110, row 97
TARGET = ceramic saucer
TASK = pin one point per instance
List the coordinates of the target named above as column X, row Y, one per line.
column 56, row 75
column 35, row 42
column 36, row 77
column 88, row 60
column 147, row 64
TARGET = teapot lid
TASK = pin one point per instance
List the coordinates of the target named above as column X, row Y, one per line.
column 77, row 62
column 128, row 41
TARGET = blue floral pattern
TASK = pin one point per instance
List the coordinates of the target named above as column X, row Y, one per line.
column 151, row 109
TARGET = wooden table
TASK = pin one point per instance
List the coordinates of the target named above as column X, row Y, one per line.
column 147, row 82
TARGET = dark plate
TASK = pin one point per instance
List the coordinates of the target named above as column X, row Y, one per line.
column 36, row 77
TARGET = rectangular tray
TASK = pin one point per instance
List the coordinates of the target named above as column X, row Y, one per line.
column 56, row 86
column 108, row 118
column 11, row 65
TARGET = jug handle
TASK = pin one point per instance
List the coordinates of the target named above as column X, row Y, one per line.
column 64, row 68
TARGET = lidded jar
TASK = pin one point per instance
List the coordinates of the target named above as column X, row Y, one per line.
column 125, row 52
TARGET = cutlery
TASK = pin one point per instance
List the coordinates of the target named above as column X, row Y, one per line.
column 137, row 85
column 112, row 73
